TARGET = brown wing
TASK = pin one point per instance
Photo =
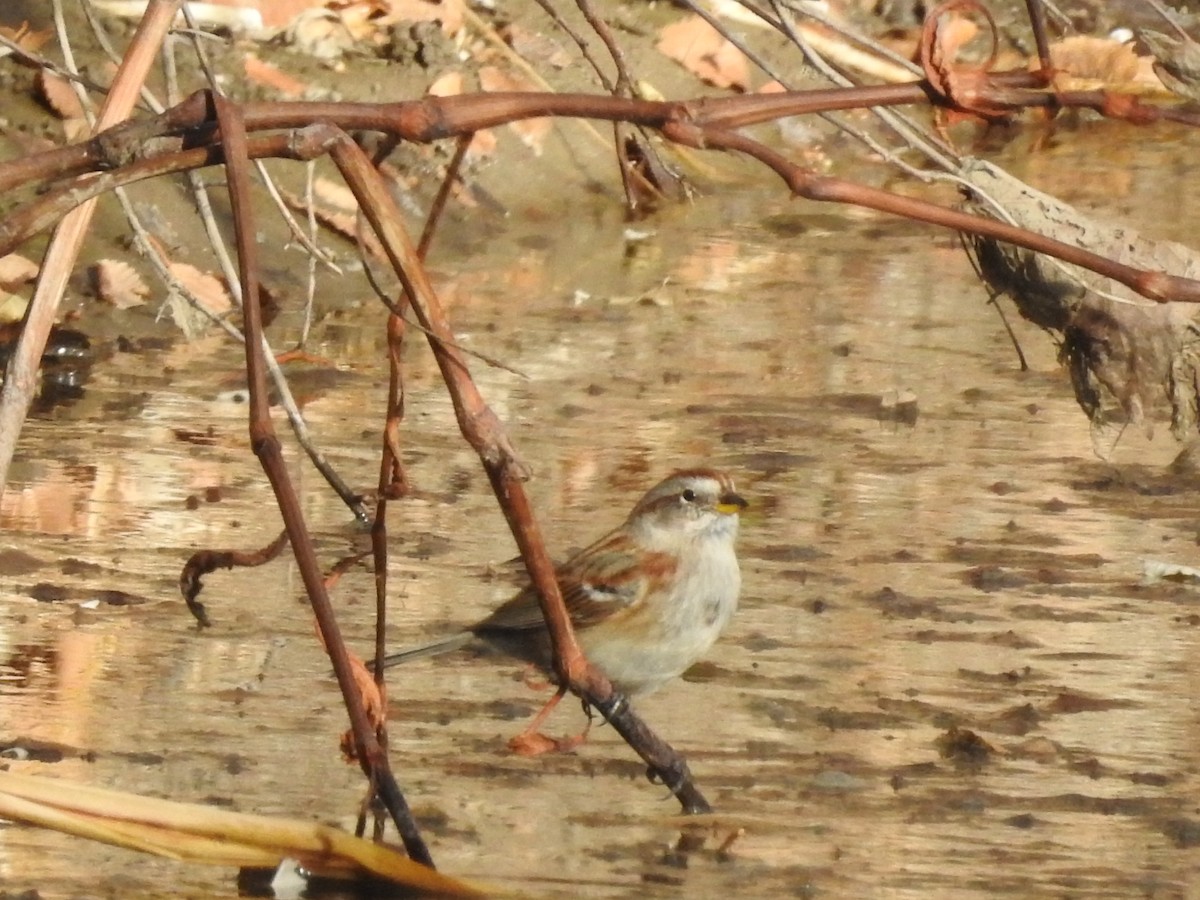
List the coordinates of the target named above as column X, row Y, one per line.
column 605, row 579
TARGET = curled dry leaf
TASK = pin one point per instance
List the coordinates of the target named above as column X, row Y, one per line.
column 56, row 92
column 535, row 47
column 118, row 283
column 208, row 290
column 12, row 307
column 1087, row 63
column 954, row 32
column 205, row 290
column 336, row 194
column 342, row 219
column 705, row 52
column 374, row 698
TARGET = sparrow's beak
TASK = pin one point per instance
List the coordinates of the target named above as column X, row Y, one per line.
column 730, row 504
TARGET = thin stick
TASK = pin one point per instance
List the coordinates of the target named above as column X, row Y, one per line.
column 484, row 432
column 267, row 448
column 20, row 381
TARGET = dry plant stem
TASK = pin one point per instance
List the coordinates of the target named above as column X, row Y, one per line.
column 266, row 447
column 203, row 562
column 393, row 483
column 216, row 241
column 598, row 25
column 432, row 119
column 1037, row 20
column 476, row 420
column 20, row 380
column 665, row 764
column 1156, row 286
column 439, row 202
column 580, row 42
column 486, row 435
column 699, row 124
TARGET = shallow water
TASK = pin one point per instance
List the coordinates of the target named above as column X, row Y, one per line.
column 960, row 561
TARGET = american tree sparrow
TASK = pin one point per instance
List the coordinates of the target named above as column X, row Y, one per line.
column 646, row 600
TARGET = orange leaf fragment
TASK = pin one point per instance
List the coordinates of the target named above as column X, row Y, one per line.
column 208, row 289
column 705, row 52
column 118, row 283
column 343, row 219
column 56, row 92
column 1094, row 60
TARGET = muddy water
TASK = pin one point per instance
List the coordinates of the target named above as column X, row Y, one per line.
column 948, row 677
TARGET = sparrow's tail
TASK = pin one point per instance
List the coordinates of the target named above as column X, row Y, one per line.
column 433, row 648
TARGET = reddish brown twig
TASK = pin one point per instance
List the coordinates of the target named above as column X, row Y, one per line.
column 266, row 447
column 206, row 561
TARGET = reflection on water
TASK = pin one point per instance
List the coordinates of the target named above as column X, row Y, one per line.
column 932, row 546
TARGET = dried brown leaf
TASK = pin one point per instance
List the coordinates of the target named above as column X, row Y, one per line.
column 1176, row 62
column 1095, row 59
column 281, row 13
column 343, row 220
column 535, row 47
column 56, row 92
column 335, row 193
column 208, row 290
column 705, row 52
column 118, row 283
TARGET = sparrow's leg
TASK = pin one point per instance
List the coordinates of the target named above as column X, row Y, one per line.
column 531, row 742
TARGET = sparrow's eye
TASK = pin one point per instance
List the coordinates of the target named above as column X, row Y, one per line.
column 689, row 495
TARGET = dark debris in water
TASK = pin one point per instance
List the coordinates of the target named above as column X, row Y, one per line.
column 1183, row 833
column 1038, row 612
column 789, row 553
column 45, row 592
column 1017, row 720
column 847, row 720
column 1006, row 678
column 894, row 604
column 996, row 639
column 1069, row 702
column 1024, row 821
column 965, row 747
column 990, row 579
